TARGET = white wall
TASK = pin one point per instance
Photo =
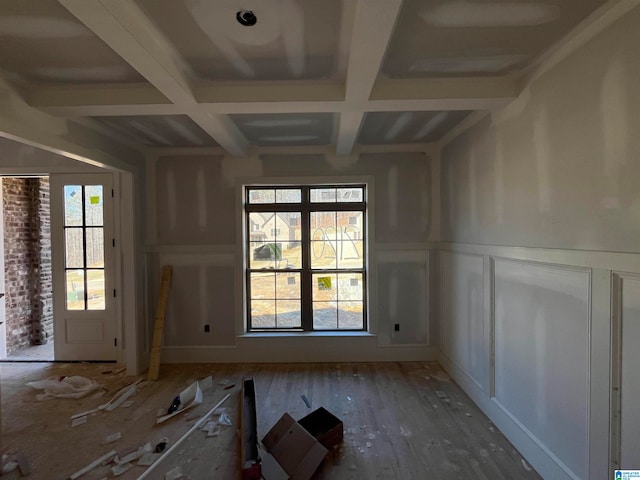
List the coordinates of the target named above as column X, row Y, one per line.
column 540, row 227
column 197, row 229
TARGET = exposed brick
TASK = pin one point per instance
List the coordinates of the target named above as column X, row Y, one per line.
column 28, row 277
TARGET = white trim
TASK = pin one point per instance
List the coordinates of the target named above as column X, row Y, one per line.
column 540, row 458
column 622, row 261
column 299, row 350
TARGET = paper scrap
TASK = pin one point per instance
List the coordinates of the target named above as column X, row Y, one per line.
column 112, row 438
column 147, row 459
column 173, row 474
column 190, row 397
column 120, row 468
column 78, row 421
column 94, row 200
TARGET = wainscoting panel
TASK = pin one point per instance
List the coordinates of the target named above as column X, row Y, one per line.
column 542, row 327
column 463, row 323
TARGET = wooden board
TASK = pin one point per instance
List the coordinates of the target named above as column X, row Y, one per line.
column 158, row 332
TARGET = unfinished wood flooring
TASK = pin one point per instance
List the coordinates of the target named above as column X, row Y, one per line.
column 401, row 421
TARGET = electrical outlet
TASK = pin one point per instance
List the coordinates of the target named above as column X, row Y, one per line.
column 396, row 327
column 206, row 328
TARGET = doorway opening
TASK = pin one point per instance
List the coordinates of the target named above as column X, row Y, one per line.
column 28, row 331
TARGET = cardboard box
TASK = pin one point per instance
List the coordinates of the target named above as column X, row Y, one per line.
column 293, row 453
column 324, row 426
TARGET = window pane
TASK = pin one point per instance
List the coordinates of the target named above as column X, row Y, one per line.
column 350, row 315
column 93, row 205
column 72, row 205
column 265, row 255
column 350, row 254
column 325, row 315
column 287, row 286
column 288, row 195
column 256, row 226
column 262, row 196
column 263, row 286
column 95, row 289
column 319, row 195
column 289, row 314
column 350, row 195
column 95, row 247
column 351, row 223
column 75, row 289
column 323, row 255
column 325, row 287
column 263, row 313
column 74, row 248
column 323, row 225
column 291, row 255
column 350, row 286
column 323, row 236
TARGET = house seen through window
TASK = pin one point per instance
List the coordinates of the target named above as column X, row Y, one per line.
column 305, row 258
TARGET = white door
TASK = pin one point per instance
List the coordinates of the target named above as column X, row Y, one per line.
column 84, row 313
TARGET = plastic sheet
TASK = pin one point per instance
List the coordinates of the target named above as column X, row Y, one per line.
column 65, row 387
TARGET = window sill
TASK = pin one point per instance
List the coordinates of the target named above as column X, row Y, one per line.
column 304, row 334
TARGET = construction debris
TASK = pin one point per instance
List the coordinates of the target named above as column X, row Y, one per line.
column 98, row 461
column 197, row 425
column 190, row 397
column 65, row 387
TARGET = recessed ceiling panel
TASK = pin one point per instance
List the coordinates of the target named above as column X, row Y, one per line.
column 407, row 127
column 286, row 129
column 42, row 42
column 442, row 38
column 290, row 39
column 160, row 131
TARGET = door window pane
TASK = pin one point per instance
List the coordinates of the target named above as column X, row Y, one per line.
column 74, row 257
column 75, row 289
column 93, row 205
column 95, row 247
column 95, row 290
column 72, row 205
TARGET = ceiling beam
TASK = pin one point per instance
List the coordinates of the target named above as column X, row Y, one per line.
column 458, row 93
column 374, row 22
column 127, row 30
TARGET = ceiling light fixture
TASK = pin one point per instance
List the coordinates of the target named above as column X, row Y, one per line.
column 246, row 18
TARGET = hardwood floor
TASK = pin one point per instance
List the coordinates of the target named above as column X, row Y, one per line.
column 401, row 421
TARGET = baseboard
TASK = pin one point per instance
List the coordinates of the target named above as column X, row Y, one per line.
column 314, row 350
column 531, row 449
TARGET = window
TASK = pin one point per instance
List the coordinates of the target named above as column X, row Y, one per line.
column 307, row 269
column 84, row 247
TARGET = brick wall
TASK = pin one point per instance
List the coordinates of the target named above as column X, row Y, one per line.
column 28, row 277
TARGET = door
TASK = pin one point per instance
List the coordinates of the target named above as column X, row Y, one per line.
column 83, row 267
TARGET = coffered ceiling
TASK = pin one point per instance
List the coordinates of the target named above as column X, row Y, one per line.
column 333, row 73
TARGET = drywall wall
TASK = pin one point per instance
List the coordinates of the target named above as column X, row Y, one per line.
column 539, row 202
column 558, row 167
column 197, row 228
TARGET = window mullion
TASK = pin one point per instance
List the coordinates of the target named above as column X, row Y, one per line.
column 307, row 287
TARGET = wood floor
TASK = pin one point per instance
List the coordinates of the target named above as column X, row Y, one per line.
column 401, row 421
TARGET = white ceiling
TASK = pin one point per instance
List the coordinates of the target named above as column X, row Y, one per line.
column 340, row 73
